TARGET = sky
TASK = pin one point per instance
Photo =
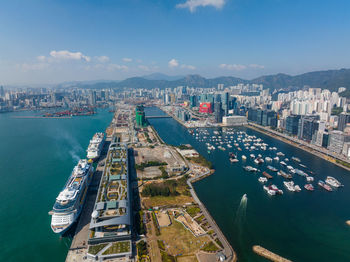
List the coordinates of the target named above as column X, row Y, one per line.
column 53, row 41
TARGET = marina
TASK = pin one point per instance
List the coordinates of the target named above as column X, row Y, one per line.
column 262, row 208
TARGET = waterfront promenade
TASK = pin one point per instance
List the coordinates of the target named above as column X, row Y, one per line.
column 228, row 251
column 313, row 149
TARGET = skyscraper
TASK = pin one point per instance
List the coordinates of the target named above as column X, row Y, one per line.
column 344, row 118
column 140, row 117
column 92, row 97
column 2, row 92
column 224, row 102
column 218, row 112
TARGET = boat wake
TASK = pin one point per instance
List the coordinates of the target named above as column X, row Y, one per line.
column 240, row 222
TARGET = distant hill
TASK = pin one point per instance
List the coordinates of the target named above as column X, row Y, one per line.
column 160, row 76
column 330, row 79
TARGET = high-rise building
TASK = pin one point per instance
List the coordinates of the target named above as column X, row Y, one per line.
column 218, row 112
column 2, row 91
column 224, row 102
column 252, row 114
column 92, row 97
column 336, row 141
column 53, row 98
column 259, row 114
column 269, row 118
column 308, row 126
column 292, row 124
column 193, row 101
column 344, row 118
column 140, row 117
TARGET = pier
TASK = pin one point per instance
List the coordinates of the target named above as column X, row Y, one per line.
column 79, row 246
column 269, row 255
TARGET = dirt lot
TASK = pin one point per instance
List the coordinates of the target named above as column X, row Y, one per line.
column 158, row 201
column 163, row 219
column 179, row 240
column 160, row 154
column 187, row 259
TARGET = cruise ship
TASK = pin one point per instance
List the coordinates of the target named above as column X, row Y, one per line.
column 70, row 200
column 95, row 146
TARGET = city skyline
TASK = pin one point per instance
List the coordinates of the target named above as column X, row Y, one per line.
column 56, row 41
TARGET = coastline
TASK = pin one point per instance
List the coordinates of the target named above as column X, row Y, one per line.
column 231, row 255
column 229, row 252
column 295, row 144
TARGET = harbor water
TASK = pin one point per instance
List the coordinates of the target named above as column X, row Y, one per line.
column 36, row 158
column 303, row 226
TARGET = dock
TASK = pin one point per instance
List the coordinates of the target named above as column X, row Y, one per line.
column 268, row 254
column 79, row 246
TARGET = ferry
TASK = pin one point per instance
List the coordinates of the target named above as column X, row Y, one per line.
column 70, row 200
column 95, row 146
column 333, row 182
column 324, row 185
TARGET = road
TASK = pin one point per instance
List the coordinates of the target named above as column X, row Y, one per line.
column 228, row 250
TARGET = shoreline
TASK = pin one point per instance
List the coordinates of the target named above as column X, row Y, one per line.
column 295, row 144
column 228, row 250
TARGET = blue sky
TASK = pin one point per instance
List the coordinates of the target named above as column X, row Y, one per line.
column 50, row 41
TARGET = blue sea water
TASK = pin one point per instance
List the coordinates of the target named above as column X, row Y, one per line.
column 305, row 226
column 36, row 158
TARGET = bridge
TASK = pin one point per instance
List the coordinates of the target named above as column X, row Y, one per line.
column 165, row 116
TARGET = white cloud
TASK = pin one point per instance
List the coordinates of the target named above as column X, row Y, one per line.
column 67, row 55
column 113, row 67
column 32, row 67
column 257, row 66
column 102, row 59
column 234, row 67
column 193, row 4
column 191, row 67
column 173, row 63
column 126, row 59
column 41, row 58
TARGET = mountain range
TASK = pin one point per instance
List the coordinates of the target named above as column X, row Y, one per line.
column 329, row 79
